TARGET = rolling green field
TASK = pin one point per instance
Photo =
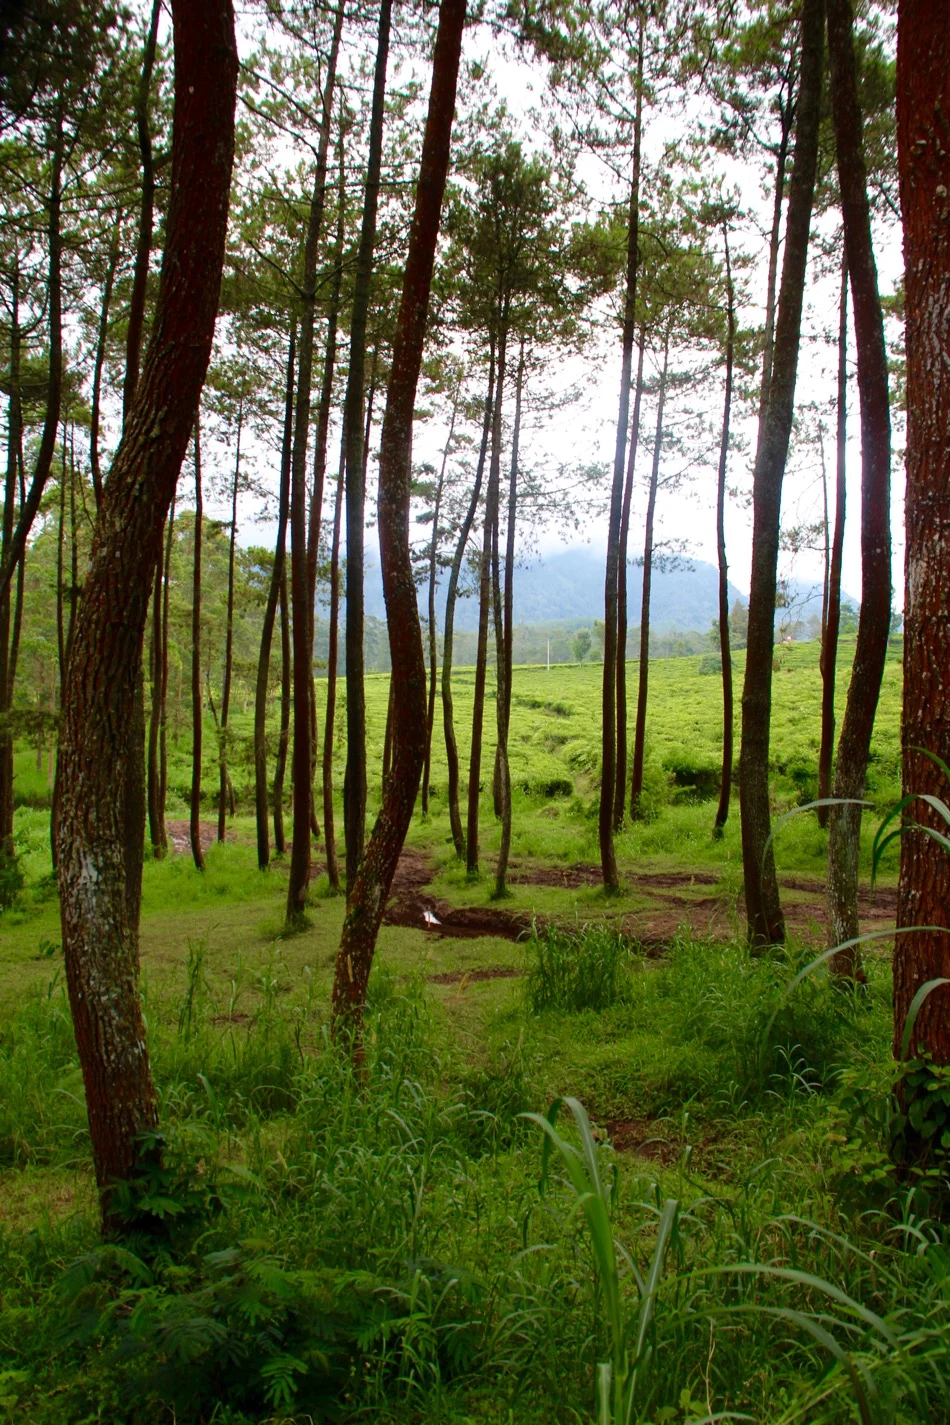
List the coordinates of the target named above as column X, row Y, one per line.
column 391, row 1246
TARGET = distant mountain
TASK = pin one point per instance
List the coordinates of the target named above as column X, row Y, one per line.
column 570, row 586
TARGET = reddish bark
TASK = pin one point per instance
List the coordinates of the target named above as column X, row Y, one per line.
column 370, row 886
column 923, row 146
column 100, row 937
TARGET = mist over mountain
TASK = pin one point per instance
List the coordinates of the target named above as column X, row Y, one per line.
column 569, row 586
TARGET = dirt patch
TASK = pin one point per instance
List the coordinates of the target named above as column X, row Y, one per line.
column 639, row 1136
column 179, row 836
column 653, row 926
column 409, row 905
column 474, row 977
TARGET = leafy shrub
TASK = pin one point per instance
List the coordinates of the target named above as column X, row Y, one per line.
column 709, row 664
column 587, row 970
column 695, row 778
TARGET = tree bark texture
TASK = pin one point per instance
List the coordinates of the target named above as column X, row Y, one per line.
column 870, row 654
column 354, row 784
column 923, row 146
column 766, row 923
column 100, row 939
column 372, row 881
column 270, row 614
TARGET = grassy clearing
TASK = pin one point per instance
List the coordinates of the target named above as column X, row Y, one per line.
column 331, row 1249
column 341, row 1250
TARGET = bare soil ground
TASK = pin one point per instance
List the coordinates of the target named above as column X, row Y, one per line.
column 672, row 895
column 179, row 836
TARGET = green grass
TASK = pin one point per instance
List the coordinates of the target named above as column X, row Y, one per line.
column 379, row 1248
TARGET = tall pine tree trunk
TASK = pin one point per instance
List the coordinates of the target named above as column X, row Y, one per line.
column 620, row 780
column 270, row 615
column 163, row 711
column 197, row 704
column 354, row 784
column 98, row 896
column 505, row 637
column 870, row 654
column 433, row 578
column 451, row 597
column 923, row 898
column 484, row 610
column 643, row 671
column 95, row 410
column 14, row 552
column 155, row 679
column 370, row 886
column 320, row 459
column 301, row 602
column 832, row 619
column 766, row 924
column 725, row 649
column 283, row 737
column 608, row 761
column 224, row 781
column 329, row 827
column 14, row 438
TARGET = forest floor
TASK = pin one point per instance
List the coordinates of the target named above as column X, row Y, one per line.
column 386, row 1245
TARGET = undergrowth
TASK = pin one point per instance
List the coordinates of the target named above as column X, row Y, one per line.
column 333, row 1247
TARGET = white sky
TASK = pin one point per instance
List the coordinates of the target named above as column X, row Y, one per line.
column 585, row 433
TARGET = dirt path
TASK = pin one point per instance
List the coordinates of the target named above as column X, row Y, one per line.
column 674, row 903
column 410, row 905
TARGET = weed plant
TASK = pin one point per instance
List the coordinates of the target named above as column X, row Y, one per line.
column 586, row 970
